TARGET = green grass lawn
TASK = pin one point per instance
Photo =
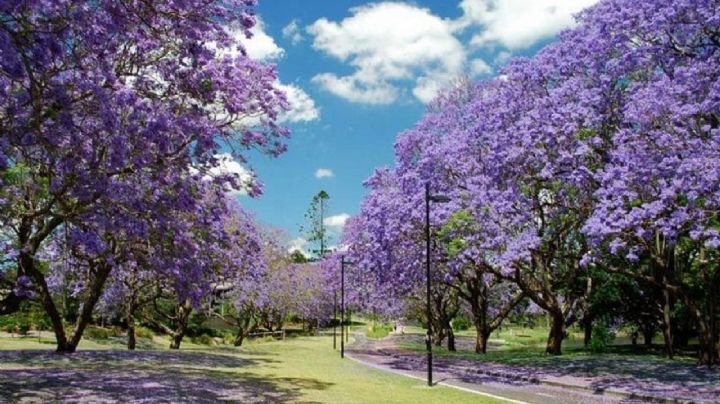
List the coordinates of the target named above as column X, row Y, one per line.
column 306, row 366
column 516, row 345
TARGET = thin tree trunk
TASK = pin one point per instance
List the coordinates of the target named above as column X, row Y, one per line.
column 240, row 337
column 667, row 324
column 182, row 322
column 131, row 339
column 587, row 329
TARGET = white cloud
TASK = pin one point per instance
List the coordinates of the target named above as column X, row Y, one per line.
column 353, row 90
column 299, row 244
column 302, row 107
column 324, row 173
column 337, row 220
column 502, row 57
column 518, row 24
column 389, row 44
column 479, row 67
column 293, row 33
column 227, row 165
column 260, row 46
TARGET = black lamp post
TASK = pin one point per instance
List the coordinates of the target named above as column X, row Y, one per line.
column 428, row 339
column 342, row 304
column 335, row 320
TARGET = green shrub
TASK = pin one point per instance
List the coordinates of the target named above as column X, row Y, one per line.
column 143, row 332
column 117, row 332
column 202, row 339
column 97, row 333
column 375, row 330
column 228, row 338
column 461, row 323
column 602, row 338
column 23, row 328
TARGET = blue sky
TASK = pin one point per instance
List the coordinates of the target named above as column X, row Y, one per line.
column 358, row 73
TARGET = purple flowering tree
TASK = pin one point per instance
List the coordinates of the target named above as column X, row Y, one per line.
column 105, row 107
column 657, row 210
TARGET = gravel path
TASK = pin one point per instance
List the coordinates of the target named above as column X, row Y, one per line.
column 589, row 380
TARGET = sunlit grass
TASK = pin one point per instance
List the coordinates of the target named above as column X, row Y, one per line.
column 306, row 365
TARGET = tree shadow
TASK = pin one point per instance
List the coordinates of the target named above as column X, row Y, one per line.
column 644, row 375
column 143, row 376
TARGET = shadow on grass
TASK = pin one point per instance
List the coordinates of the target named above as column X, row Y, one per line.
column 624, row 367
column 142, row 376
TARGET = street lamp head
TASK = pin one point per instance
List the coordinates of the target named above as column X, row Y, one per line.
column 440, row 199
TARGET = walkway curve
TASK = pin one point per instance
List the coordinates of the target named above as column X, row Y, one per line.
column 384, row 355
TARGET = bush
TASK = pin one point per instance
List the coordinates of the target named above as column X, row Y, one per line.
column 228, row 338
column 203, row 339
column 23, row 328
column 602, row 338
column 97, row 333
column 143, row 332
column 378, row 331
column 460, row 323
column 117, row 332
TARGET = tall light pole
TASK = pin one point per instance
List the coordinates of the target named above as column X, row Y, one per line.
column 428, row 339
column 342, row 304
column 335, row 320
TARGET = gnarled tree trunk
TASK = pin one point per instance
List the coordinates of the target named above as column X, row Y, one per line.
column 557, row 333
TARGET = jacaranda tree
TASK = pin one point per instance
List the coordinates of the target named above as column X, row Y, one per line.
column 107, row 110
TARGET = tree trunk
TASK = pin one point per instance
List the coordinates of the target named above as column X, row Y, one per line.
column 176, row 340
column 557, row 333
column 183, row 314
column 438, row 335
column 131, row 340
column 587, row 328
column 27, row 263
column 708, row 353
column 240, row 337
column 451, row 340
column 85, row 317
column 667, row 324
column 481, row 340
column 648, row 333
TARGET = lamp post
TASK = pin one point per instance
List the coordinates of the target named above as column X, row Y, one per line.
column 335, row 320
column 428, row 339
column 342, row 304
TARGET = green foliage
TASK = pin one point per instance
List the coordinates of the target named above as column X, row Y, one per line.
column 228, row 338
column 298, row 257
column 602, row 338
column 30, row 317
column 203, row 339
column 97, row 333
column 585, row 134
column 143, row 332
column 461, row 323
column 24, row 328
column 378, row 330
column 459, row 223
column 316, row 231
